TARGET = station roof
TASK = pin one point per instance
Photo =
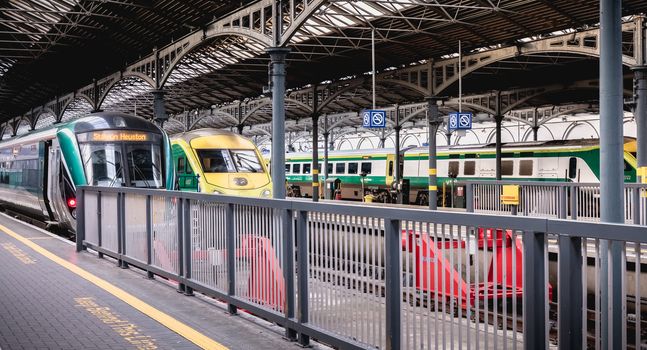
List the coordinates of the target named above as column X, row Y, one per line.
column 75, row 41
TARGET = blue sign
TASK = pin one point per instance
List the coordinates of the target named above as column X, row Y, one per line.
column 460, row 121
column 373, row 118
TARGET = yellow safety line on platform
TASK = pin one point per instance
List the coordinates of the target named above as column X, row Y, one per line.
column 168, row 321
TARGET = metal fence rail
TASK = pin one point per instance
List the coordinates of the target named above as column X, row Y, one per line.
column 359, row 277
column 564, row 200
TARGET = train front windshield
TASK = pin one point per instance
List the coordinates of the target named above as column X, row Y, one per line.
column 122, row 159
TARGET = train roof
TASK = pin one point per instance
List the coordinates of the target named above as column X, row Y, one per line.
column 509, row 146
column 94, row 121
column 210, row 132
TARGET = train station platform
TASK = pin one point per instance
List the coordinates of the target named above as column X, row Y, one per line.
column 55, row 298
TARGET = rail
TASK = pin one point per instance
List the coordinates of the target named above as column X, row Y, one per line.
column 563, row 200
column 358, row 277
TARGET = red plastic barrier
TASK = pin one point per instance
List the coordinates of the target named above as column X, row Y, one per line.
column 433, row 268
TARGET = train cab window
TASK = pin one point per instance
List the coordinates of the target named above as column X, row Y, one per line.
column 306, row 168
column 366, row 168
column 352, row 168
column 296, row 168
column 507, row 167
column 329, row 168
column 287, row 168
column 340, row 168
column 181, row 165
column 572, row 167
column 390, row 168
column 627, row 166
column 525, row 167
column 469, row 167
column 453, row 168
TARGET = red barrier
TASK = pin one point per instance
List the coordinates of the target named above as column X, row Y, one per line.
column 432, row 267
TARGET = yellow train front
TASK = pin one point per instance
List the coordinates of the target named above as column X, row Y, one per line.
column 221, row 162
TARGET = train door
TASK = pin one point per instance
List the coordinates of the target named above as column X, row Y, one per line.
column 185, row 176
column 390, row 161
column 60, row 189
column 630, row 167
column 43, row 160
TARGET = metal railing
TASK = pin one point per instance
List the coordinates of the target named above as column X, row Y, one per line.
column 359, row 277
column 563, row 200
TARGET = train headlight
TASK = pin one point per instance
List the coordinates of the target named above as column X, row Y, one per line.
column 216, row 192
column 266, row 193
column 73, row 212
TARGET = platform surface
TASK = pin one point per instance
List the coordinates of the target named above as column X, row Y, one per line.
column 47, row 302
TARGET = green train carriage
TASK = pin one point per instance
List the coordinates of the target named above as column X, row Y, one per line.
column 556, row 161
column 40, row 171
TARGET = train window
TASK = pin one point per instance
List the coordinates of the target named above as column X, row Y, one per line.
column 216, row 161
column 525, row 167
column 507, row 167
column 287, row 168
column 296, row 168
column 366, row 168
column 572, row 167
column 180, row 165
column 390, row 168
column 628, row 166
column 144, row 165
column 452, row 171
column 469, row 167
column 329, row 168
column 352, row 168
column 246, row 161
column 340, row 168
column 306, row 168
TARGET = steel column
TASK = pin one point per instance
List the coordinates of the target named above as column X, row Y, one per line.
column 640, row 115
column 159, row 109
column 563, row 210
column 498, row 118
column 534, row 284
column 433, row 123
column 393, row 272
column 277, row 71
column 396, row 167
column 325, row 165
column 570, row 293
column 315, row 145
column 611, row 169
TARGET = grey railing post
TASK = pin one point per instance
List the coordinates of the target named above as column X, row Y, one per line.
column 562, row 202
column 99, row 233
column 121, row 230
column 573, row 201
column 469, row 197
column 149, row 237
column 393, row 246
column 231, row 255
column 181, row 287
column 302, row 270
column 288, row 268
column 186, row 234
column 534, row 285
column 570, row 293
column 80, row 219
column 635, row 202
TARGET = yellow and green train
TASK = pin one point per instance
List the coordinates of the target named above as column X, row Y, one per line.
column 41, row 170
column 568, row 161
column 220, row 162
